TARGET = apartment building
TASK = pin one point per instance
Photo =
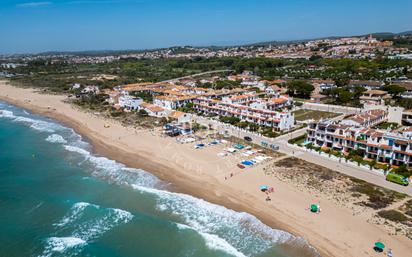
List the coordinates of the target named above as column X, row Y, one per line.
column 240, row 99
column 376, row 97
column 257, row 112
column 393, row 148
column 173, row 101
column 130, row 102
column 366, row 119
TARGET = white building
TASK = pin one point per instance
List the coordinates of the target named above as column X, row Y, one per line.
column 91, row 90
column 154, row 110
column 76, row 86
column 181, row 117
column 240, row 99
column 366, row 119
column 277, row 120
column 130, row 102
column 172, row 102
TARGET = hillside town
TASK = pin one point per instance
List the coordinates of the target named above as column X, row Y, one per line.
column 364, row 47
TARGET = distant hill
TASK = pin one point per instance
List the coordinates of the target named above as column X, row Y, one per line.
column 185, row 49
column 378, row 35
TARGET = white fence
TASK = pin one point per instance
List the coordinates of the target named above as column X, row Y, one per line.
column 341, row 160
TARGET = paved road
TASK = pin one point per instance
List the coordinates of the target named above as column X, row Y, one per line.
column 342, row 167
column 196, row 75
column 310, row 156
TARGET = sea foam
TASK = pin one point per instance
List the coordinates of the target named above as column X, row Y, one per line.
column 221, row 227
column 84, row 227
column 61, row 244
column 216, row 243
column 74, row 214
column 93, row 228
column 6, row 114
column 115, row 172
column 56, row 138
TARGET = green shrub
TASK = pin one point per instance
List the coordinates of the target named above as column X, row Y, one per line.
column 296, row 140
column 393, row 215
column 143, row 112
column 403, row 171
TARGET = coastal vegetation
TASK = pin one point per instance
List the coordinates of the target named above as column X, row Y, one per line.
column 317, row 178
column 56, row 75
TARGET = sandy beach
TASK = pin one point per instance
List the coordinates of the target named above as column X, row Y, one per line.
column 336, row 231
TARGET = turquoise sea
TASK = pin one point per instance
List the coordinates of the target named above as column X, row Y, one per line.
column 59, row 199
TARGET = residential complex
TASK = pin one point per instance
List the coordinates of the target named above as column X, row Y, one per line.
column 249, row 108
column 269, row 108
column 355, row 133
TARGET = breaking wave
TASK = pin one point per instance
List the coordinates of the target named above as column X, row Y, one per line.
column 222, row 227
column 83, row 228
column 36, row 124
column 56, row 138
column 236, row 233
column 75, row 213
column 6, row 114
column 62, row 244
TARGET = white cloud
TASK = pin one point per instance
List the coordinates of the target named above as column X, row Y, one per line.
column 33, row 4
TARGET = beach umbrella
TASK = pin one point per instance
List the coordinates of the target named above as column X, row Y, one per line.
column 379, row 246
column 264, row 188
column 313, row 208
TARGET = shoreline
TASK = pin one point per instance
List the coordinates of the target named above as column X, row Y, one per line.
column 173, row 168
column 175, row 183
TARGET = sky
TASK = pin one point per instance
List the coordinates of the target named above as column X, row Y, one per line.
column 31, row 26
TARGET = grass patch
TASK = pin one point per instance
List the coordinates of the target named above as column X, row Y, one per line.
column 386, row 125
column 301, row 115
column 393, row 215
column 378, row 198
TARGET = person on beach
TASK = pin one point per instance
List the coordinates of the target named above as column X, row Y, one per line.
column 390, row 254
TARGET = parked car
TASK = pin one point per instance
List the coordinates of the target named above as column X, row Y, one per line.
column 246, row 138
column 398, row 179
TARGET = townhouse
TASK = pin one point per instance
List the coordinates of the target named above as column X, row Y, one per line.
column 376, row 97
column 240, row 99
column 173, row 101
column 260, row 112
column 368, row 84
column 366, row 119
column 394, row 148
column 154, row 110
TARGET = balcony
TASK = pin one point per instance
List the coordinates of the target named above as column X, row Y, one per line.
column 374, row 151
column 399, row 157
